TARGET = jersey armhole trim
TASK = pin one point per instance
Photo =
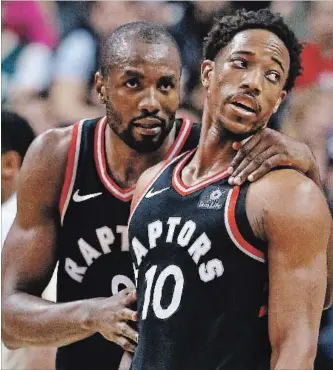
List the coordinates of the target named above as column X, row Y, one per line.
column 71, row 168
column 233, row 230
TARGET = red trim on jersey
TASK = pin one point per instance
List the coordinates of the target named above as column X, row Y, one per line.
column 184, row 189
column 237, row 237
column 263, row 311
column 69, row 168
column 100, row 157
column 150, row 183
column 180, row 140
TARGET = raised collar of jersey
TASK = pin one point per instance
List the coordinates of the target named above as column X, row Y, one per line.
column 100, row 157
column 184, row 189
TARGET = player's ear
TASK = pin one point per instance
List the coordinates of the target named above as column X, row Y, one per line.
column 10, row 164
column 207, row 69
column 100, row 87
column 283, row 95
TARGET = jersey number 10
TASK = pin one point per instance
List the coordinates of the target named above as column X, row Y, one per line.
column 154, row 295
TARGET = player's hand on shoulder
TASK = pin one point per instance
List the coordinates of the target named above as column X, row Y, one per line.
column 266, row 150
column 111, row 316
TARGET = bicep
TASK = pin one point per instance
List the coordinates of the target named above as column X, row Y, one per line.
column 29, row 252
column 298, row 236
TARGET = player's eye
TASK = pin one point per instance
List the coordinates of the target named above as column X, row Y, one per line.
column 133, row 83
column 239, row 62
column 273, row 76
column 166, row 84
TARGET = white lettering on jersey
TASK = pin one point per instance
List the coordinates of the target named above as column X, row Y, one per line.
column 197, row 249
column 88, row 252
column 172, row 222
column 120, row 280
column 73, row 270
column 154, row 232
column 106, row 238
column 139, row 250
column 123, row 231
column 200, row 247
column 186, row 233
column 211, row 270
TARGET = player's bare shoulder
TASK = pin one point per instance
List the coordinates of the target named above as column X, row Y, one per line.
column 284, row 195
column 44, row 166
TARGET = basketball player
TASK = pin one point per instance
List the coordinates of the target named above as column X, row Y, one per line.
column 74, row 199
column 205, row 252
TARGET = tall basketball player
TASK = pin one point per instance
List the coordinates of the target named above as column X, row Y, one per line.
column 73, row 205
column 206, row 253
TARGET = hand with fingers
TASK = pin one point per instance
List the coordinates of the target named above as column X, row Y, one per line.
column 111, row 317
column 269, row 149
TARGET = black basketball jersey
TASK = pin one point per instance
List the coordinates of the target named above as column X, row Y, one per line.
column 201, row 276
column 94, row 258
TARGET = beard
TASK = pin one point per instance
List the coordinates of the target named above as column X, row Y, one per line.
column 146, row 144
column 232, row 136
column 226, row 134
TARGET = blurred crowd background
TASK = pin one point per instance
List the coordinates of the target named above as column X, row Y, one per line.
column 50, row 52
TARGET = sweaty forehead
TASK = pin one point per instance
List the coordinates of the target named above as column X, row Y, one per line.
column 260, row 41
column 132, row 52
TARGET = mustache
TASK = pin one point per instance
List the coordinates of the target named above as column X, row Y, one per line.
column 148, row 115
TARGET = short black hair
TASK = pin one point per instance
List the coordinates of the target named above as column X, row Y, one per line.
column 226, row 28
column 16, row 133
column 148, row 32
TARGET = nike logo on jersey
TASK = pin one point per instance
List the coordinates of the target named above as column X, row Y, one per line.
column 81, row 198
column 152, row 193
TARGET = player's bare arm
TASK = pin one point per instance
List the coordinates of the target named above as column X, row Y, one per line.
column 269, row 149
column 290, row 212
column 29, row 258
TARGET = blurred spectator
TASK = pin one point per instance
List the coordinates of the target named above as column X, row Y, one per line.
column 16, row 137
column 71, row 14
column 72, row 94
column 317, row 56
column 29, row 36
column 29, row 32
column 295, row 14
column 309, row 118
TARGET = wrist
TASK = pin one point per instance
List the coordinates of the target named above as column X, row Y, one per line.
column 89, row 316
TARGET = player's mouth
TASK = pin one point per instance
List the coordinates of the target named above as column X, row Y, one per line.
column 244, row 105
column 148, row 126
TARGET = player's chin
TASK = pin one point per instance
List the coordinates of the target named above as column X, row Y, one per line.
column 240, row 129
column 148, row 144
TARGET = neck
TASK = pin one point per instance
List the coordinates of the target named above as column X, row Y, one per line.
column 126, row 164
column 214, row 152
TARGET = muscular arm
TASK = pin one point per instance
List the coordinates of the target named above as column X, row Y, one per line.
column 296, row 223
column 30, row 255
column 269, row 149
